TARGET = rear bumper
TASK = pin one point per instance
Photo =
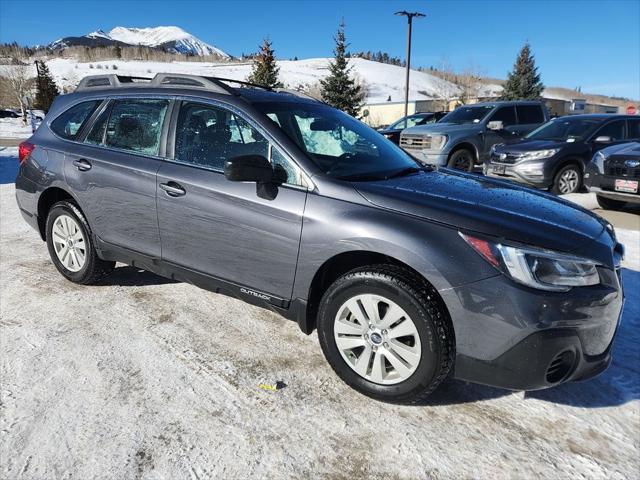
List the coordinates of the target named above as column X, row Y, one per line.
column 515, row 337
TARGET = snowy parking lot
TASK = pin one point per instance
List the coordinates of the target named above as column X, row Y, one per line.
column 141, row 377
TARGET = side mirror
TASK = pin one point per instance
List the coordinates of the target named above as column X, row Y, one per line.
column 495, row 125
column 248, row 168
column 602, row 139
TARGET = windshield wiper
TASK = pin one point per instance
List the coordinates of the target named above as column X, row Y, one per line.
column 408, row 171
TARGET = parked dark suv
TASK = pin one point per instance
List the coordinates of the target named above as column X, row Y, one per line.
column 554, row 156
column 614, row 175
column 463, row 138
column 295, row 206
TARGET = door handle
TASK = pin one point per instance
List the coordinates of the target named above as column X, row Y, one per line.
column 173, row 189
column 82, row 165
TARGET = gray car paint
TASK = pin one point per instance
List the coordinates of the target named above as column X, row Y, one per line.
column 277, row 246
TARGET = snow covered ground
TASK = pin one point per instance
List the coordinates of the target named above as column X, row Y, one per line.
column 140, row 377
column 382, row 80
column 14, row 128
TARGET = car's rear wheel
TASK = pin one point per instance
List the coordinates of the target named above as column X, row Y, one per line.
column 386, row 334
column 462, row 159
column 567, row 180
column 71, row 247
column 609, row 203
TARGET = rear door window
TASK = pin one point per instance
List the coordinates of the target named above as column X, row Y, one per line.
column 633, row 129
column 507, row 115
column 529, row 114
column 70, row 123
column 136, row 125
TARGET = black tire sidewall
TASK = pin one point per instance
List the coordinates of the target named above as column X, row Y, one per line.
column 452, row 160
column 67, row 208
column 428, row 369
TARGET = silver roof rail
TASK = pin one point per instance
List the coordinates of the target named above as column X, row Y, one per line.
column 177, row 80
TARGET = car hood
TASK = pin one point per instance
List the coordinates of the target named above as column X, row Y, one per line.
column 530, row 145
column 488, row 206
column 625, row 149
column 444, row 128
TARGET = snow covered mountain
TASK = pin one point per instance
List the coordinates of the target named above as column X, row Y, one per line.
column 171, row 39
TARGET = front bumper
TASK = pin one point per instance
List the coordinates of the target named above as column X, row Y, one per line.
column 435, row 158
column 517, row 174
column 604, row 185
column 515, row 337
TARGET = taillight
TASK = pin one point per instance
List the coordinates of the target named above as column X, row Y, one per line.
column 24, row 150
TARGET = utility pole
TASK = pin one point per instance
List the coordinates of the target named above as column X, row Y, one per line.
column 409, row 16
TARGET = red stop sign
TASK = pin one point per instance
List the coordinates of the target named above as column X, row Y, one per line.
column 632, row 110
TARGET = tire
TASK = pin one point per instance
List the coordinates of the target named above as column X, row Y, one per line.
column 72, row 235
column 609, row 203
column 567, row 180
column 462, row 159
column 420, row 304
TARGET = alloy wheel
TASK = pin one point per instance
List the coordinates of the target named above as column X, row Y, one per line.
column 568, row 181
column 69, row 243
column 377, row 339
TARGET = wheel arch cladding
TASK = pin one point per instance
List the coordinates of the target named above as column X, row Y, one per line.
column 48, row 198
column 344, row 262
column 465, row 146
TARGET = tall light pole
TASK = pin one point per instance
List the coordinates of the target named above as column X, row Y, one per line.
column 409, row 16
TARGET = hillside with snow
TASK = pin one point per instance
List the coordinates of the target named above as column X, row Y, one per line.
column 382, row 81
column 171, row 39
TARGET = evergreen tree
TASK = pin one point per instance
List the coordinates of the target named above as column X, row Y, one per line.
column 523, row 82
column 46, row 88
column 338, row 88
column 265, row 70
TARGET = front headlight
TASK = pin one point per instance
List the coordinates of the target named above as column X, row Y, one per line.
column 437, row 141
column 598, row 160
column 538, row 154
column 536, row 268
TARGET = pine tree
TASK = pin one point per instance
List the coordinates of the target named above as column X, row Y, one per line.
column 523, row 82
column 265, row 70
column 46, row 88
column 338, row 88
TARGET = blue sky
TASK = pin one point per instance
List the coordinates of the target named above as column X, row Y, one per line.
column 592, row 44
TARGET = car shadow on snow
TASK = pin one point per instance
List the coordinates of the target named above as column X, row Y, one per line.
column 618, row 385
column 127, row 276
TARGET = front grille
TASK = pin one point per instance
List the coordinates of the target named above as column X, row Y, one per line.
column 510, row 158
column 619, row 171
column 415, row 141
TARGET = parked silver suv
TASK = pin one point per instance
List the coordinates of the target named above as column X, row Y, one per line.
column 464, row 137
column 292, row 205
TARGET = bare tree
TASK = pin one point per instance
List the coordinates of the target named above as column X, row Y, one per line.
column 470, row 83
column 447, row 88
column 18, row 81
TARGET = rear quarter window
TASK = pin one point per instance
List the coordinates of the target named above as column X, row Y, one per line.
column 529, row 114
column 69, row 124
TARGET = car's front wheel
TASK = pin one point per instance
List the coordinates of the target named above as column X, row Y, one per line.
column 567, row 180
column 462, row 159
column 609, row 203
column 71, row 247
column 386, row 334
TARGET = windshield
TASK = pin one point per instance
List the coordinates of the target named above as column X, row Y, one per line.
column 411, row 121
column 341, row 146
column 565, row 129
column 467, row 114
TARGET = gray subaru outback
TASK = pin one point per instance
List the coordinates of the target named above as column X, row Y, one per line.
column 409, row 274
